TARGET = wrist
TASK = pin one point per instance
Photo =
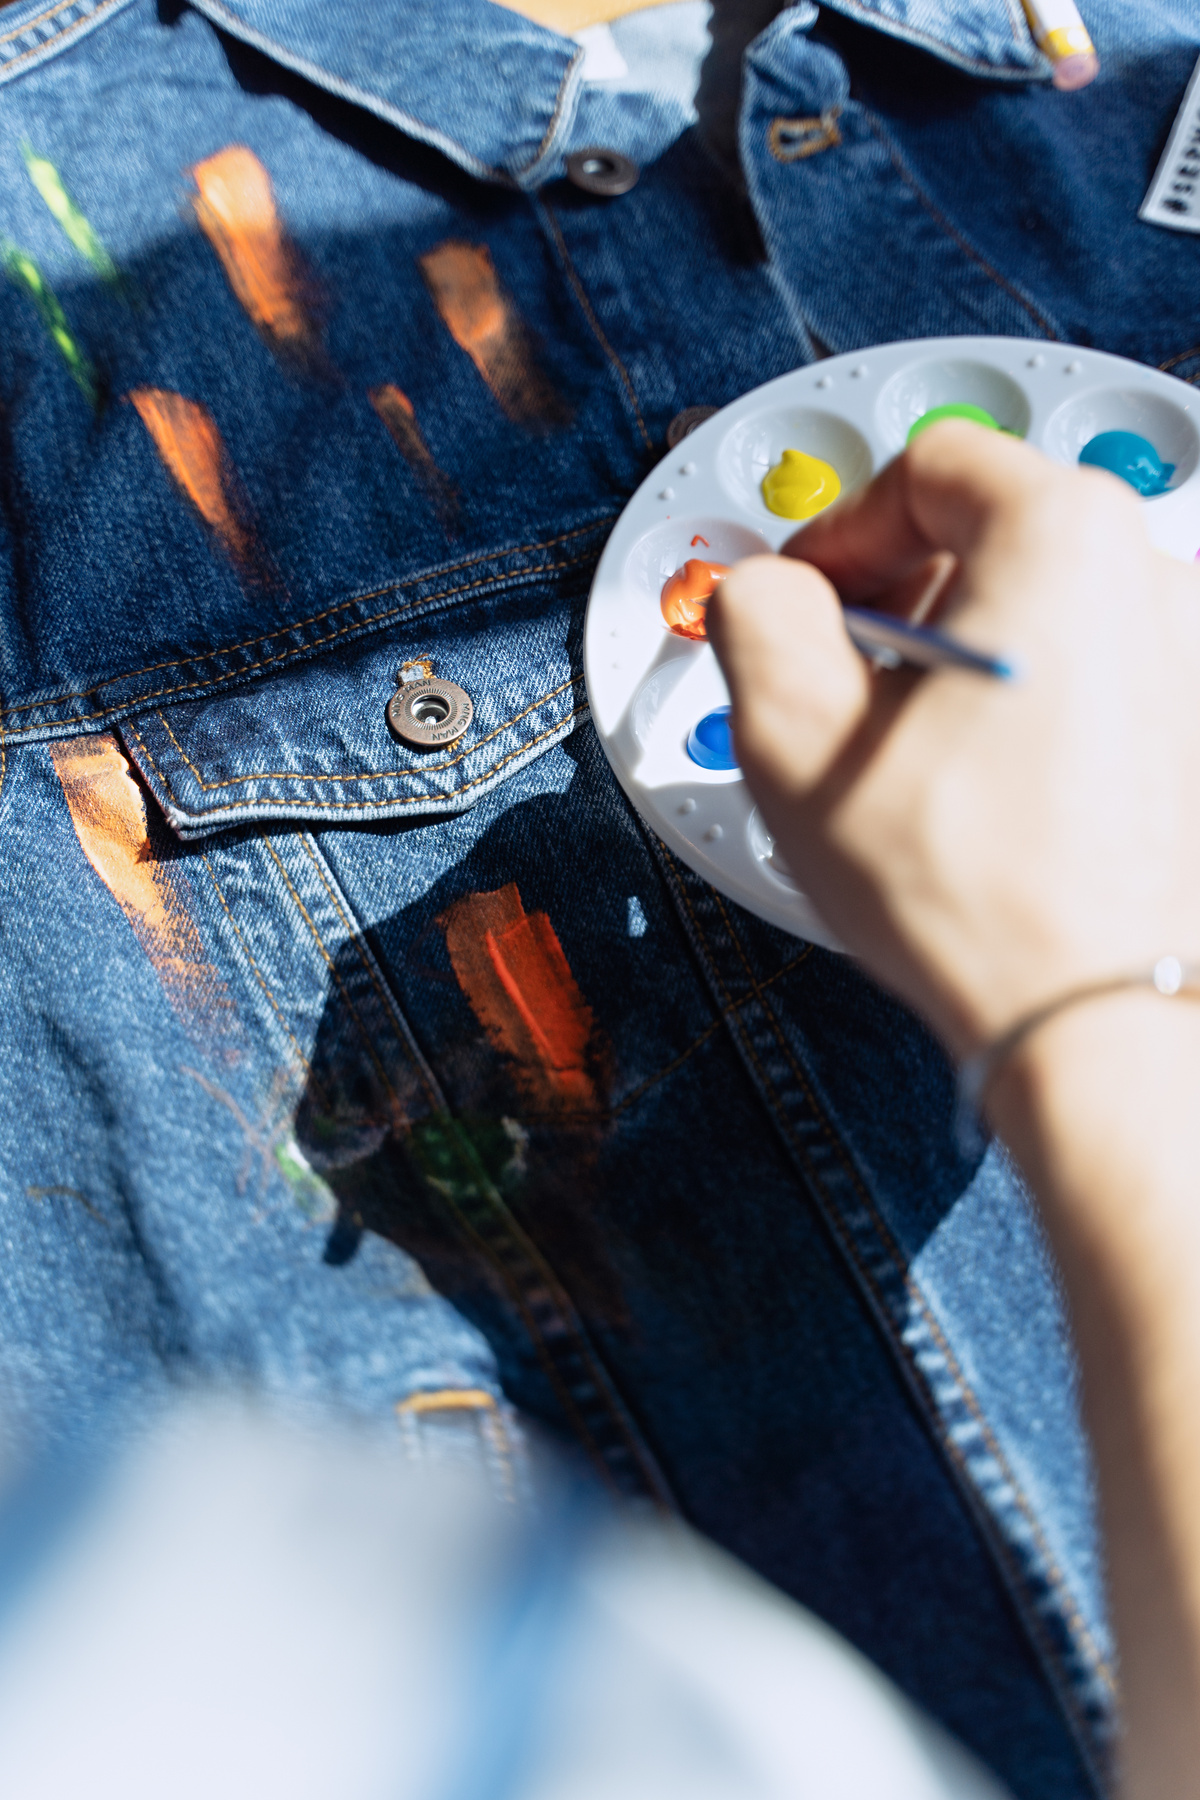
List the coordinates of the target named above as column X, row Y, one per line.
column 1104, row 1089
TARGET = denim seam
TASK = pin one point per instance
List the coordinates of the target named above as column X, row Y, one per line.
column 400, row 1027
column 513, row 1285
column 590, row 315
column 301, row 1059
column 939, row 218
column 8, row 36
column 645, row 1086
column 357, row 805
column 406, row 122
column 185, row 662
column 918, row 1381
column 210, row 787
column 1172, row 362
column 902, row 1268
column 61, row 35
column 368, row 1041
column 943, row 50
column 360, row 625
column 567, row 91
column 394, row 115
column 661, row 1074
column 501, row 1218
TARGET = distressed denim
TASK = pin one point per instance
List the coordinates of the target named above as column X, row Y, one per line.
column 430, row 1084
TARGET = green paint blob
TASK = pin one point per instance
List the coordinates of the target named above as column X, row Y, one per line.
column 956, row 409
column 22, row 270
column 800, row 485
column 311, row 1194
column 76, row 227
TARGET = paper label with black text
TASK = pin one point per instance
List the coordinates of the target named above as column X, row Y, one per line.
column 1174, row 196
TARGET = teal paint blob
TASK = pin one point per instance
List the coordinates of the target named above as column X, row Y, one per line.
column 1131, row 457
column 710, row 743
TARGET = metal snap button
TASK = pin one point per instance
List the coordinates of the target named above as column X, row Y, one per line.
column 685, row 422
column 605, row 172
column 430, row 713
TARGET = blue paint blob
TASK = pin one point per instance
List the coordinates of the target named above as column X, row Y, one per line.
column 710, row 743
column 1131, row 457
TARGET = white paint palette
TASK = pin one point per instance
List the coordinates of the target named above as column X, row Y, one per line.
column 648, row 688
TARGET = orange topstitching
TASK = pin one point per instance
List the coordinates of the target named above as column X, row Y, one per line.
column 209, row 787
column 1054, row 1574
column 315, row 619
column 399, row 800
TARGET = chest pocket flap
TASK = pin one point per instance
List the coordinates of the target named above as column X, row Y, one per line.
column 314, row 742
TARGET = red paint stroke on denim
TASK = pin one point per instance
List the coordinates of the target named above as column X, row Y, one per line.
column 483, row 321
column 396, row 410
column 236, row 210
column 186, row 438
column 108, row 810
column 513, row 971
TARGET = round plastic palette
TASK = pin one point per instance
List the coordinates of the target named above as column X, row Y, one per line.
column 653, row 693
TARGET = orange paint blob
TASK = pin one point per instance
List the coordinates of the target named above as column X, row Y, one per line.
column 396, row 410
column 686, row 595
column 512, row 969
column 236, row 211
column 108, row 810
column 482, row 320
column 186, row 438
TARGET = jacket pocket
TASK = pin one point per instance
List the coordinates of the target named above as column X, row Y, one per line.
column 314, row 743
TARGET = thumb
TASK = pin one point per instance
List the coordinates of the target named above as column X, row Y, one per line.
column 799, row 689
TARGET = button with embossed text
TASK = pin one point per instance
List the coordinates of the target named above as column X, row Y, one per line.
column 430, row 713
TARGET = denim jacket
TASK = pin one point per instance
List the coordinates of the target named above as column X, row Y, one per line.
column 431, row 1083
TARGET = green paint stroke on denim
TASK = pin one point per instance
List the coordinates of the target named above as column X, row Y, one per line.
column 76, row 226
column 22, row 269
column 311, row 1194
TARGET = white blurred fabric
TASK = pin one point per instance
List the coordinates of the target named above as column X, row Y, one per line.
column 252, row 1610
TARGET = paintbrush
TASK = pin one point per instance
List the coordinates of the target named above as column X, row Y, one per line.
column 892, row 641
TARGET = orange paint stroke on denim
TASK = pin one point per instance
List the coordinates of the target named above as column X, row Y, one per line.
column 512, row 969
column 235, row 208
column 108, row 810
column 186, row 438
column 396, row 410
column 482, row 320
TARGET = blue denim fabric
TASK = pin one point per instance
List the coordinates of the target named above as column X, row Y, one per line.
column 253, row 1125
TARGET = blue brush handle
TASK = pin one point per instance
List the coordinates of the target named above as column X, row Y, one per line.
column 873, row 632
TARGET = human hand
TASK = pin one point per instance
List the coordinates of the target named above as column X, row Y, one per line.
column 981, row 846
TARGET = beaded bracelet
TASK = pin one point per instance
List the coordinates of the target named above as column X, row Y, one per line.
column 1169, row 977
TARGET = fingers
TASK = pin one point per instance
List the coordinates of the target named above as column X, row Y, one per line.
column 799, row 688
column 954, row 485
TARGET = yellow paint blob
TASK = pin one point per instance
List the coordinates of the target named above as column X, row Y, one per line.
column 800, row 485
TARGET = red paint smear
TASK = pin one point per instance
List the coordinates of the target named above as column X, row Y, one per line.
column 108, row 810
column 186, row 438
column 236, row 211
column 686, row 595
column 512, row 969
column 396, row 410
column 483, row 321
column 699, row 540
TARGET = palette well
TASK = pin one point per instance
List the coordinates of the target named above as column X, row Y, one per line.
column 655, row 689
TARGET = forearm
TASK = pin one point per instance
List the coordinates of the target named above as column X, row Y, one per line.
column 1102, row 1110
